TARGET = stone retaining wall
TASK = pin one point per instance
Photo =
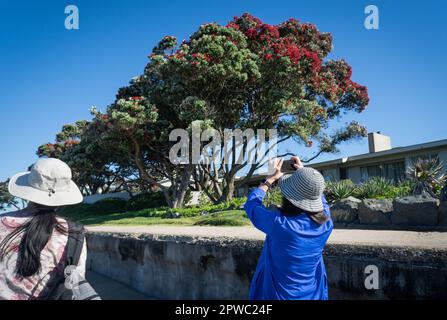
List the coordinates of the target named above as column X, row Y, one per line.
column 412, row 211
column 183, row 267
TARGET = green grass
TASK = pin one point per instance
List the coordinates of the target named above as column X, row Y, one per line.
column 88, row 215
column 224, row 218
column 118, row 212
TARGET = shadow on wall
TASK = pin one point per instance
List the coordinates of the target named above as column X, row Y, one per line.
column 179, row 267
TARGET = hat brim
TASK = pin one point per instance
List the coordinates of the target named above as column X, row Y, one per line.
column 19, row 187
column 308, row 205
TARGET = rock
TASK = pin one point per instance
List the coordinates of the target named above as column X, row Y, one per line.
column 420, row 210
column 443, row 213
column 345, row 210
column 375, row 211
column 173, row 215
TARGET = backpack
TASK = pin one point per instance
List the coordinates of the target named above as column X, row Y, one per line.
column 82, row 290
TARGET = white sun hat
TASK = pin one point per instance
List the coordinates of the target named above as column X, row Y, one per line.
column 48, row 183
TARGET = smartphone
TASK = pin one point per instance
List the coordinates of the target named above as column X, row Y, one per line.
column 287, row 166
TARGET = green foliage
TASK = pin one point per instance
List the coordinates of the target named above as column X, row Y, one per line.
column 374, row 188
column 427, row 176
column 6, row 199
column 381, row 188
column 246, row 74
column 401, row 189
column 197, row 210
column 224, row 218
column 110, row 205
column 101, row 207
column 88, row 214
column 204, row 200
column 337, row 190
column 113, row 211
column 273, row 197
column 92, row 158
column 146, row 200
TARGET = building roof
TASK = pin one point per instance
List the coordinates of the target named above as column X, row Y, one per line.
column 390, row 152
column 369, row 156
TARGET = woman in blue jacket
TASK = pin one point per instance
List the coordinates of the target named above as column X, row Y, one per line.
column 291, row 264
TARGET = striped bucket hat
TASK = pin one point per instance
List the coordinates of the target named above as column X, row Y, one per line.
column 304, row 189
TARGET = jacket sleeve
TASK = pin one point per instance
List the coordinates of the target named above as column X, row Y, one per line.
column 326, row 209
column 261, row 218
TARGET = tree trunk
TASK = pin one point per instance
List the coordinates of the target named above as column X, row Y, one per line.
column 228, row 191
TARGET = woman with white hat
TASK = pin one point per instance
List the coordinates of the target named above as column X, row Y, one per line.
column 33, row 240
column 291, row 264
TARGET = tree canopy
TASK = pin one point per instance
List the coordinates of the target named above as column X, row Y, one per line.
column 246, row 74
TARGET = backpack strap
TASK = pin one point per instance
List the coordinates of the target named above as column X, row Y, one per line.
column 75, row 242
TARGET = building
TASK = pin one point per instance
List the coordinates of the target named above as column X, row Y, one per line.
column 381, row 161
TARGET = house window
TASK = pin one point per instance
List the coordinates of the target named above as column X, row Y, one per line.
column 329, row 174
column 391, row 171
column 424, row 157
column 343, row 174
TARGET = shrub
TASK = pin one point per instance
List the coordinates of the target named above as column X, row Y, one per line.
column 193, row 211
column 402, row 189
column 381, row 188
column 109, row 205
column 427, row 176
column 273, row 197
column 146, row 200
column 235, row 203
column 204, row 200
column 101, row 207
column 75, row 211
column 152, row 212
column 224, row 218
column 376, row 187
column 337, row 190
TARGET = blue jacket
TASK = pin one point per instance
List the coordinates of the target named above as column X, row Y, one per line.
column 291, row 264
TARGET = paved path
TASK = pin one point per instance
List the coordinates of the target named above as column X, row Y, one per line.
column 414, row 239
column 109, row 289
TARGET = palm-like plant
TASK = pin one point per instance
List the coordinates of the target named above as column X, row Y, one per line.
column 375, row 187
column 337, row 190
column 427, row 176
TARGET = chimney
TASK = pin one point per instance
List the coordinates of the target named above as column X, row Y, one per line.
column 378, row 142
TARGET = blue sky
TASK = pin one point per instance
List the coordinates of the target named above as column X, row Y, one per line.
column 51, row 76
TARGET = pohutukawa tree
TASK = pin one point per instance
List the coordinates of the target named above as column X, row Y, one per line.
column 8, row 201
column 142, row 134
column 249, row 74
column 97, row 164
column 246, row 74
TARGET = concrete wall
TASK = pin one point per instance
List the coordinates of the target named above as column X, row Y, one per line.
column 182, row 267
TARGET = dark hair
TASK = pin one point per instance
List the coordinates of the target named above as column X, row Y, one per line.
column 36, row 232
column 289, row 209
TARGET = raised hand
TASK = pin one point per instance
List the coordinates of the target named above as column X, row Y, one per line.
column 277, row 173
column 297, row 164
